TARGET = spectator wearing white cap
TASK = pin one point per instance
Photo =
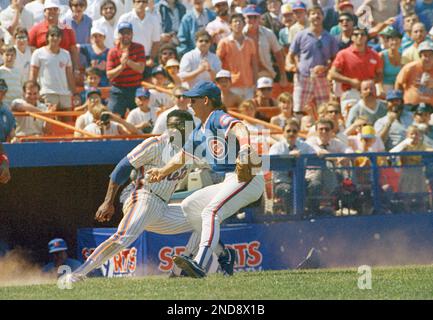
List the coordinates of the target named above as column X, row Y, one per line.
column 96, row 53
column 107, row 21
column 238, row 55
column 224, row 82
column 172, row 68
column 16, row 15
column 38, row 33
column 36, row 8
column 263, row 96
column 220, row 27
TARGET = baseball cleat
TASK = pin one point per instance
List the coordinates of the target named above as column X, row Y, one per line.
column 227, row 261
column 191, row 268
column 173, row 274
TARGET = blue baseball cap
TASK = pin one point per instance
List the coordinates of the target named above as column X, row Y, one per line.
column 394, row 94
column 57, row 245
column 204, row 89
column 142, row 92
column 251, row 10
column 91, row 91
column 299, row 5
column 124, row 25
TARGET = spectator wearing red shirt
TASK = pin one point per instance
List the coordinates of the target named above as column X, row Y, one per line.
column 125, row 66
column 354, row 65
column 38, row 33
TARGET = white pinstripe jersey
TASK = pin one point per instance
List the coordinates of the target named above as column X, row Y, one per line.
column 156, row 152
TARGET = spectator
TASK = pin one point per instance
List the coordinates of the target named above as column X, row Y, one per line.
column 412, row 183
column 323, row 144
column 7, row 120
column 11, row 74
column 229, row 99
column 392, row 127
column 271, row 19
column 166, row 52
column 391, row 59
column 80, row 22
column 346, row 24
column 190, row 24
column 200, row 63
column 282, row 182
column 369, row 106
column 36, row 7
column 142, row 117
column 382, row 10
column 311, row 53
column 365, row 139
column 418, row 35
column 96, row 53
column 416, row 78
column 95, row 11
column 239, row 56
column 106, row 123
column 23, row 51
column 125, row 66
column 53, row 67
column 343, row 8
column 181, row 103
column 355, row 64
column 28, row 126
column 409, row 7
column 171, row 12
column 264, row 93
column 172, row 68
column 331, row 111
column 160, row 100
column 38, row 34
column 422, row 122
column 147, row 31
column 92, row 80
column 107, row 22
column 219, row 28
column 300, row 11
column 93, row 100
column 16, row 15
column 57, row 248
column 287, row 20
column 410, row 18
column 285, row 103
column 266, row 45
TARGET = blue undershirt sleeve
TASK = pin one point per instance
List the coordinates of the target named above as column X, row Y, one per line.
column 122, row 171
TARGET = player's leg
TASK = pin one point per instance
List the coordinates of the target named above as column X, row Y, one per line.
column 141, row 212
column 232, row 196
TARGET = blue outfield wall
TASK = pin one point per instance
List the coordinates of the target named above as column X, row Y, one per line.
column 348, row 242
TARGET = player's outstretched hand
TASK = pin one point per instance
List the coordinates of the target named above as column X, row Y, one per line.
column 154, row 175
column 105, row 212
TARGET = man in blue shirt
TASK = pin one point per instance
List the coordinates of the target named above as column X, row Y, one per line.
column 58, row 251
column 222, row 141
column 7, row 120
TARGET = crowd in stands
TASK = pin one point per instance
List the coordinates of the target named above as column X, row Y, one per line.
column 340, row 75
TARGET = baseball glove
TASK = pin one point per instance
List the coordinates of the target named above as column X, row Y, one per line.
column 247, row 164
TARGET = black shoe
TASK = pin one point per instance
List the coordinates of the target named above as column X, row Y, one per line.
column 191, row 268
column 227, row 261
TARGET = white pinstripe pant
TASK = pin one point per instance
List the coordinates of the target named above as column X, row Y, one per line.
column 206, row 208
column 142, row 211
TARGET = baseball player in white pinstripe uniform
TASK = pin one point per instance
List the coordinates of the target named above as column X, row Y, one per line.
column 224, row 142
column 147, row 207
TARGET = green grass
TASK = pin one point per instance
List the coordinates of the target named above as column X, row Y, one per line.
column 414, row 282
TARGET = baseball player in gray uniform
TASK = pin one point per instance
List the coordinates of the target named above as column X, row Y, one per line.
column 147, row 207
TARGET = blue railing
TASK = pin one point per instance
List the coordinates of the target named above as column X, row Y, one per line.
column 385, row 184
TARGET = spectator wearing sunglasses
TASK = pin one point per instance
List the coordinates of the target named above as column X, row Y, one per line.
column 24, row 53
column 355, row 64
column 80, row 22
column 200, row 63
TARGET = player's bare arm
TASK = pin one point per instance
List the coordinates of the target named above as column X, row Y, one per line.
column 157, row 174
